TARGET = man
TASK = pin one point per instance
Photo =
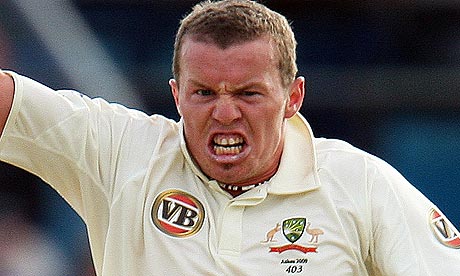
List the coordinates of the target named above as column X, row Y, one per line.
column 239, row 186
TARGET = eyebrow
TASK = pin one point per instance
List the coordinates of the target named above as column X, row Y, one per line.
column 197, row 83
column 248, row 86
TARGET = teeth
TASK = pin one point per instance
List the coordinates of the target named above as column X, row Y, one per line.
column 228, row 145
column 228, row 141
column 227, row 150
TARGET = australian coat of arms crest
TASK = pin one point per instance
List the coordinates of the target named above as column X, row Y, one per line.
column 292, row 230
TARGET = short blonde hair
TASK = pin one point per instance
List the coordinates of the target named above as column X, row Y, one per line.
column 229, row 22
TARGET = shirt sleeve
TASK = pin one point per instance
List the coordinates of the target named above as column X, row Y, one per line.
column 70, row 141
column 408, row 237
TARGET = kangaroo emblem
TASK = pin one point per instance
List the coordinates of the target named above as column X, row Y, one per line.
column 271, row 234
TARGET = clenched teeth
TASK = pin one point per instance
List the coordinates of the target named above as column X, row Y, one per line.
column 225, row 145
column 228, row 141
column 227, row 150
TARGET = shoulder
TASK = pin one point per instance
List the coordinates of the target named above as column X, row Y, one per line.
column 339, row 150
column 340, row 156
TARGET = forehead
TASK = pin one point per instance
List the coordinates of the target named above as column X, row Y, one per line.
column 205, row 59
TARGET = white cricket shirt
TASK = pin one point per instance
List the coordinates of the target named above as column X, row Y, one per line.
column 331, row 209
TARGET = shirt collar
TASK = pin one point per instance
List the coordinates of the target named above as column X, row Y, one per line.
column 196, row 170
column 297, row 170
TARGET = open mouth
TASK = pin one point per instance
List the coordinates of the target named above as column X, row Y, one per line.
column 228, row 144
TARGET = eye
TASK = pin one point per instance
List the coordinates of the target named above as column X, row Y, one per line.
column 249, row 93
column 204, row 92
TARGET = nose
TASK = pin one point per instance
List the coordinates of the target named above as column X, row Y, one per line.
column 226, row 110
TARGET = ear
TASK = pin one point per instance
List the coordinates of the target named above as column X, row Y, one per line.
column 175, row 92
column 295, row 99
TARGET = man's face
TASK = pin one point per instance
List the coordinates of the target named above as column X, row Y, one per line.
column 234, row 108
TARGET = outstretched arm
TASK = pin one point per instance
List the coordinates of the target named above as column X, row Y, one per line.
column 6, row 97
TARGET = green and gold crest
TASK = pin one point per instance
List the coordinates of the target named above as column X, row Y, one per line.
column 293, row 228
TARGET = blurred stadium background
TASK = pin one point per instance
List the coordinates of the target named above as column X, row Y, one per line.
column 382, row 75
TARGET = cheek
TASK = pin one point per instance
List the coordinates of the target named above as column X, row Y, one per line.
column 191, row 114
column 268, row 126
column 195, row 124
